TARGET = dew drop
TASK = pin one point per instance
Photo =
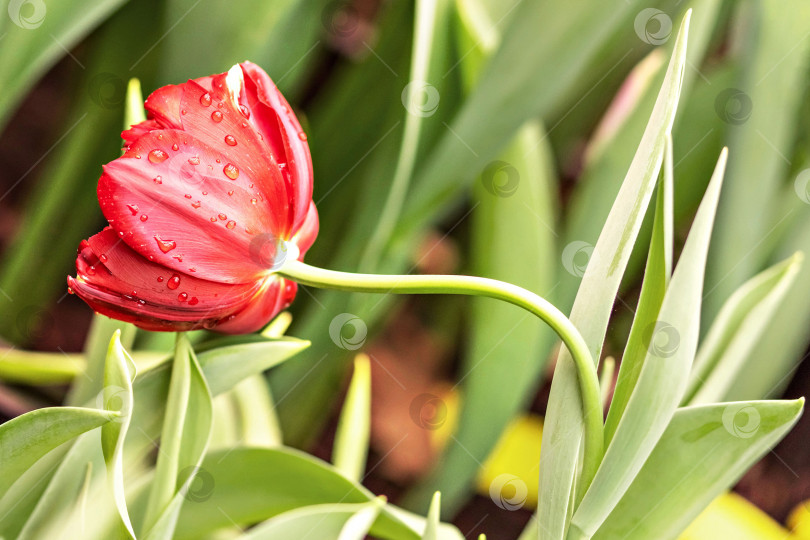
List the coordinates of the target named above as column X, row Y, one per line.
column 182, row 296
column 205, row 99
column 160, row 279
column 193, row 301
column 137, row 156
column 213, row 219
column 253, row 201
column 187, row 195
column 231, row 171
column 194, row 160
column 70, row 290
column 205, row 193
column 144, row 217
column 175, row 147
column 192, row 269
column 158, row 179
column 229, row 140
column 244, row 124
column 196, row 204
column 91, row 270
column 245, row 111
column 173, row 282
column 102, row 258
column 158, row 156
column 230, row 193
column 133, row 208
column 183, row 111
column 160, row 137
column 230, row 225
column 216, row 116
column 302, row 135
column 165, row 245
column 223, row 217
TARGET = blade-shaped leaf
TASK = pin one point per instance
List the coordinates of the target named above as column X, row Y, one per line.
column 434, row 513
column 117, row 394
column 656, row 279
column 318, row 521
column 671, row 344
column 737, row 330
column 351, row 440
column 183, row 441
column 592, row 308
column 28, row 437
column 703, row 451
column 255, row 484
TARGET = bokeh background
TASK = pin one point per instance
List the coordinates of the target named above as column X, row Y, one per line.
column 470, row 136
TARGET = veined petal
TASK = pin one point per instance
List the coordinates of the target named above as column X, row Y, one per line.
column 276, row 294
column 117, row 281
column 187, row 206
column 275, row 119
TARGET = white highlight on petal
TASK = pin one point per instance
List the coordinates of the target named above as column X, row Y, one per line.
column 235, row 81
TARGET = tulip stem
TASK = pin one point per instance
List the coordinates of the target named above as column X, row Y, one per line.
column 491, row 288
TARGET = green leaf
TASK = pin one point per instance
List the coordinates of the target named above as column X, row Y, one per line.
column 761, row 111
column 737, row 329
column 39, row 33
column 434, row 513
column 340, row 521
column 28, row 437
column 183, row 441
column 117, row 394
column 594, row 302
column 653, row 288
column 704, row 451
column 255, row 484
column 351, row 440
column 671, row 344
column 134, row 112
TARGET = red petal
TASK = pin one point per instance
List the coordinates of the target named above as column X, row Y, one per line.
column 275, row 119
column 164, row 105
column 232, row 134
column 305, row 237
column 118, row 282
column 189, row 217
column 139, row 130
column 275, row 296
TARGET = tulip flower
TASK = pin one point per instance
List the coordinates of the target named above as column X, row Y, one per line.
column 212, row 193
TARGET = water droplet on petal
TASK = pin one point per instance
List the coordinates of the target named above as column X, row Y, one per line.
column 230, row 225
column 253, row 201
column 183, row 111
column 137, row 156
column 175, row 147
column 196, row 204
column 223, row 217
column 216, row 116
column 173, row 282
column 302, row 135
column 205, row 99
column 165, row 245
column 158, row 156
column 102, row 258
column 160, row 279
column 194, row 301
column 245, row 111
column 144, row 217
column 187, row 195
column 229, row 140
column 158, row 179
column 231, row 171
column 194, row 160
column 213, row 219
column 182, row 296
column 133, row 208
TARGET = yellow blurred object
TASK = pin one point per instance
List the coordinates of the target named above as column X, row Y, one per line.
column 799, row 522
column 444, row 414
column 732, row 516
column 511, row 470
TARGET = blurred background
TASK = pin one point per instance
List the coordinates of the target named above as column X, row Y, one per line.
column 469, row 136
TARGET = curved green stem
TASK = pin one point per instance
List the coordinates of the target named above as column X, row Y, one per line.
column 478, row 286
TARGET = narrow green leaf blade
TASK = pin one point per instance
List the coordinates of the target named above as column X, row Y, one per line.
column 663, row 376
column 703, row 451
column 653, row 288
column 117, row 394
column 351, row 440
column 592, row 308
column 26, row 438
column 316, row 521
column 737, row 330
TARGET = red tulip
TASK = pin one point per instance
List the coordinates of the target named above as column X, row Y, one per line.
column 212, row 192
